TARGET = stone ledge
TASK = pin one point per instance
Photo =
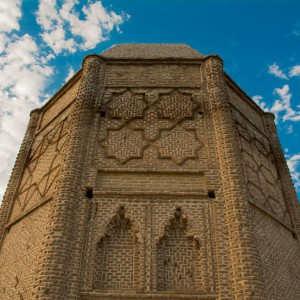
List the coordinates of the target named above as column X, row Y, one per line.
column 130, row 296
column 141, row 193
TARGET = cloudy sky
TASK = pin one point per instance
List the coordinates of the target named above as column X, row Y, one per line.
column 42, row 43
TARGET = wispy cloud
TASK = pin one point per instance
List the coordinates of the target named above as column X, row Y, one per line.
column 64, row 31
column 295, row 71
column 296, row 29
column 275, row 70
column 293, row 162
column 283, row 105
column 259, row 101
column 70, row 74
column 290, row 129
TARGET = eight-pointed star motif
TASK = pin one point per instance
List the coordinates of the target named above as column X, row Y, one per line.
column 125, row 144
column 176, row 106
column 169, row 147
column 127, row 106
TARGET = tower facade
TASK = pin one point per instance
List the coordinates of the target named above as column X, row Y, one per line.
column 150, row 174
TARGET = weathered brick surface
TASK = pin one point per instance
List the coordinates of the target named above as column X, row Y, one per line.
column 280, row 255
column 12, row 188
column 151, row 175
column 156, row 51
column 58, row 105
column 20, row 252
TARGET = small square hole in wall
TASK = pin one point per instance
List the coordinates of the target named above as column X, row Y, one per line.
column 211, row 194
column 102, row 113
column 89, row 193
column 294, row 234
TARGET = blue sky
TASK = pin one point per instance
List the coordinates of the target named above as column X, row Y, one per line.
column 42, row 43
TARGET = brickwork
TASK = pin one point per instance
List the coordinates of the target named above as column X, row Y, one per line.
column 280, row 255
column 51, row 283
column 283, row 170
column 20, row 252
column 17, row 171
column 162, row 75
column 246, row 268
column 151, row 182
column 245, row 107
column 177, row 256
column 262, row 179
column 156, row 215
column 42, row 168
column 150, row 175
column 63, row 101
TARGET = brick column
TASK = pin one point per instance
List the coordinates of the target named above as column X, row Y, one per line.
column 245, row 265
column 17, row 171
column 283, row 171
column 54, row 267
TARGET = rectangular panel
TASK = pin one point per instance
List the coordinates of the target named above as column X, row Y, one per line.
column 154, row 75
column 59, row 105
column 150, row 181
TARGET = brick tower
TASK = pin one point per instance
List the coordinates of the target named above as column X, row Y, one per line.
column 150, row 175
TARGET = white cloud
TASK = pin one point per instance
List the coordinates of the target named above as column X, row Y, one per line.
column 293, row 162
column 275, row 70
column 290, row 129
column 10, row 13
column 65, row 31
column 258, row 100
column 295, row 71
column 70, row 74
column 283, row 105
column 23, row 78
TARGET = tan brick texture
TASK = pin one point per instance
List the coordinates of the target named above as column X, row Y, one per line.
column 150, row 175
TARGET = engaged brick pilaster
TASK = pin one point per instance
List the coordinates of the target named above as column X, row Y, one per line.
column 245, row 264
column 283, row 171
column 53, row 272
column 17, row 171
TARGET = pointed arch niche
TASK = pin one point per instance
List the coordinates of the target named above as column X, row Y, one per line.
column 118, row 256
column 178, row 256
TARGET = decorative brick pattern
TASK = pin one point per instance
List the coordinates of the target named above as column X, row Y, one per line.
column 285, row 177
column 141, row 126
column 42, row 168
column 245, row 265
column 148, row 259
column 125, row 144
column 127, row 106
column 117, row 255
column 52, row 283
column 168, row 145
column 152, row 176
column 176, row 255
column 151, row 125
column 176, row 106
column 263, row 183
column 17, row 171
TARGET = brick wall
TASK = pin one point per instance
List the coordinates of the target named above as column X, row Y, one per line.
column 20, row 252
column 158, row 181
column 58, row 104
column 270, row 212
